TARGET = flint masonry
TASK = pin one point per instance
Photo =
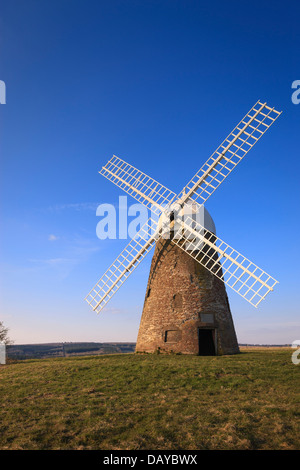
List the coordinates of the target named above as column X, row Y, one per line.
column 186, row 308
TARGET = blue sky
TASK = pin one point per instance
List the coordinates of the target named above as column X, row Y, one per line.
column 159, row 84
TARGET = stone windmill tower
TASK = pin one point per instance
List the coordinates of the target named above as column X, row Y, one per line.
column 186, row 307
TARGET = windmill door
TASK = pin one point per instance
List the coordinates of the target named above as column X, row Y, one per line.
column 206, row 342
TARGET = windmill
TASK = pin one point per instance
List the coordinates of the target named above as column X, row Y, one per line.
column 186, row 307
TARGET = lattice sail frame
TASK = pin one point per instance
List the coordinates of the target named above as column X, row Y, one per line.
column 122, row 267
column 142, row 187
column 157, row 197
column 234, row 269
column 232, row 150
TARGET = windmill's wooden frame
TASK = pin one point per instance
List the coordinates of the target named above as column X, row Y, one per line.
column 229, row 266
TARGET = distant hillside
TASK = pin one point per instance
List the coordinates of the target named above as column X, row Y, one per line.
column 265, row 345
column 46, row 350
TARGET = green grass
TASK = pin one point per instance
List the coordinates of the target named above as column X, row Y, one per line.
column 247, row 401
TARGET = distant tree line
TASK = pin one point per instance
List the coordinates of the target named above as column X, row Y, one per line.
column 31, row 351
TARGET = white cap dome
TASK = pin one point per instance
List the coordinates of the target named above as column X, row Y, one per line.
column 201, row 215
column 194, row 215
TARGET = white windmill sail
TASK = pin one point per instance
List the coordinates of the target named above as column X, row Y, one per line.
column 239, row 272
column 232, row 150
column 236, row 271
column 122, row 267
column 142, row 187
column 214, row 171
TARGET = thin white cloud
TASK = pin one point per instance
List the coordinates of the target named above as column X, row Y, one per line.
column 52, row 237
column 112, row 310
column 60, row 266
column 54, row 261
column 78, row 250
column 83, row 206
column 78, row 206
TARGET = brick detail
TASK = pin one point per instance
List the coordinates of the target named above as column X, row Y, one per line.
column 179, row 290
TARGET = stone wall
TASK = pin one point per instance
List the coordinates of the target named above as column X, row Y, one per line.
column 181, row 297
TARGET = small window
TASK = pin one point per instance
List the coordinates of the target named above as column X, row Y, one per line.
column 148, row 293
column 172, row 336
column 177, row 301
column 207, row 317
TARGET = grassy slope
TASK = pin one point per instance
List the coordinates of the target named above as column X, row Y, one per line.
column 248, row 401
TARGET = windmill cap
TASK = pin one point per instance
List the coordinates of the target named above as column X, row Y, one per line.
column 201, row 215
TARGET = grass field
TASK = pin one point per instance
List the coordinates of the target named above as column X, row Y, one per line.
column 131, row 402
